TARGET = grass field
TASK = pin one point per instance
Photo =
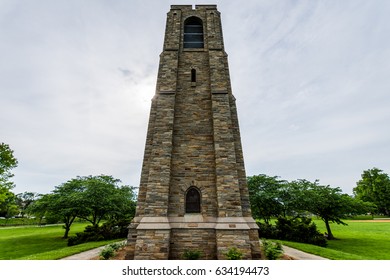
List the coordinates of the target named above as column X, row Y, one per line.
column 360, row 240
column 40, row 243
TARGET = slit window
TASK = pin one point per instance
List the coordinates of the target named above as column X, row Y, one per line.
column 193, row 33
column 193, row 75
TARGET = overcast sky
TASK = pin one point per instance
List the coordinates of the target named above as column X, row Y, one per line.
column 311, row 78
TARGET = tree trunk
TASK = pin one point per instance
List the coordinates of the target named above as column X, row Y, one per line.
column 67, row 225
column 67, row 229
column 329, row 231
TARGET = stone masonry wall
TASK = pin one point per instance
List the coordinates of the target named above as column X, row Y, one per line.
column 202, row 240
column 227, row 239
column 193, row 140
column 152, row 245
column 193, row 157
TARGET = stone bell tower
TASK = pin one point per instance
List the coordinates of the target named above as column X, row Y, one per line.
column 193, row 193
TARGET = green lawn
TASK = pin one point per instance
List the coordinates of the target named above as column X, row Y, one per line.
column 40, row 243
column 358, row 240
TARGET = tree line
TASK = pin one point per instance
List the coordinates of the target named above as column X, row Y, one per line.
column 91, row 198
column 272, row 197
column 94, row 198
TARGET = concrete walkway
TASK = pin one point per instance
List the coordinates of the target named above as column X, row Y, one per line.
column 291, row 252
column 299, row 255
column 87, row 255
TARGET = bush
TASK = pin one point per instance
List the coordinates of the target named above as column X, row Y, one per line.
column 267, row 231
column 117, row 246
column 191, row 254
column 107, row 253
column 272, row 250
column 299, row 230
column 108, row 231
column 234, row 254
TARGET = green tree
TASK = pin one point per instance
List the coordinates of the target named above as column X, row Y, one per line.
column 66, row 201
column 24, row 200
column 8, row 205
column 264, row 193
column 92, row 198
column 7, row 162
column 331, row 205
column 293, row 198
column 125, row 204
column 40, row 207
column 272, row 197
column 374, row 187
column 104, row 198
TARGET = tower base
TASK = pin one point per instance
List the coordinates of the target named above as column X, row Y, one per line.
column 169, row 238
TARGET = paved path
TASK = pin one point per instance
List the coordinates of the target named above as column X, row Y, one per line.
column 87, row 255
column 299, row 255
column 293, row 253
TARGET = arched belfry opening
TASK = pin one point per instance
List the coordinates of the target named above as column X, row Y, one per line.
column 192, row 202
column 193, row 33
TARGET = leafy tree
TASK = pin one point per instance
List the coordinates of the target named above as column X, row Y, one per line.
column 104, row 198
column 7, row 162
column 8, row 207
column 125, row 204
column 272, row 197
column 293, row 198
column 24, row 200
column 92, row 198
column 40, row 207
column 67, row 202
column 264, row 192
column 375, row 187
column 331, row 205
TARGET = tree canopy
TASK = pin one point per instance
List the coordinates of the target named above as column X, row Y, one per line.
column 7, row 162
column 8, row 205
column 91, row 198
column 374, row 187
column 264, row 196
column 272, row 197
column 330, row 204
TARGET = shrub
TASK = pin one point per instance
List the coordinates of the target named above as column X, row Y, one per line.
column 299, row 230
column 115, row 246
column 272, row 250
column 234, row 254
column 108, row 231
column 109, row 250
column 107, row 253
column 191, row 254
column 267, row 231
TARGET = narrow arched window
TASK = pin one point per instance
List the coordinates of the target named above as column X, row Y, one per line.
column 192, row 200
column 193, row 33
column 193, row 75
